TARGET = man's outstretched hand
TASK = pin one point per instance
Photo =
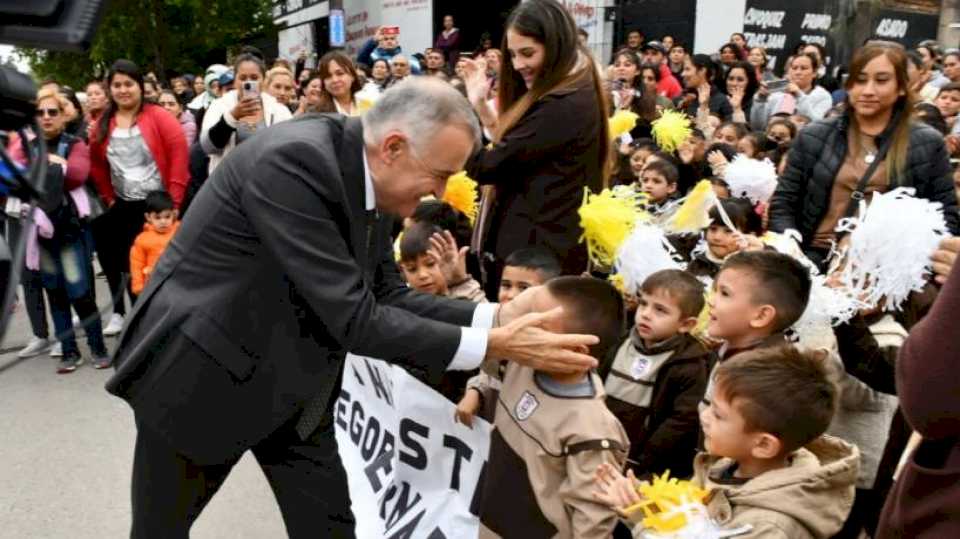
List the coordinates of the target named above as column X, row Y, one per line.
column 524, row 341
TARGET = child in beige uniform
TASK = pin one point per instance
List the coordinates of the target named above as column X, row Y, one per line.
column 552, row 431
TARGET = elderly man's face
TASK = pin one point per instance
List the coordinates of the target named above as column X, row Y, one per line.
column 400, row 67
column 402, row 175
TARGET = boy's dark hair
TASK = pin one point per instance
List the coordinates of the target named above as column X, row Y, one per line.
column 665, row 169
column 727, row 150
column 416, row 240
column 786, row 123
column 683, row 287
column 591, row 307
column 158, row 201
column 781, row 281
column 951, row 87
column 536, row 258
column 645, row 143
column 740, row 128
column 929, row 114
column 697, row 133
column 741, row 213
column 445, row 216
column 781, row 391
column 669, row 158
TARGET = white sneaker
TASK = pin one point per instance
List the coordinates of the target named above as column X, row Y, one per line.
column 114, row 327
column 56, row 350
column 35, row 347
column 75, row 320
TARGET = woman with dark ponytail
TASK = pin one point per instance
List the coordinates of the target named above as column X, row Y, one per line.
column 550, row 140
column 704, row 80
column 135, row 148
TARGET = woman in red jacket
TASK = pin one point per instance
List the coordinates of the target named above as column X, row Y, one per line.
column 135, row 148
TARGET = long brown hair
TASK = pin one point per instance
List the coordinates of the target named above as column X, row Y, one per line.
column 566, row 63
column 323, row 72
column 897, row 154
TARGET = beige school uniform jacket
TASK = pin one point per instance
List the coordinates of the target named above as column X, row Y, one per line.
column 543, row 454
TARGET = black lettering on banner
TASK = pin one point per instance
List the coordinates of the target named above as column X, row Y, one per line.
column 356, row 374
column 383, row 462
column 401, row 506
column 407, row 530
column 388, row 443
column 356, row 428
column 436, row 534
column 460, row 451
column 418, row 459
column 371, row 435
column 341, row 411
column 377, row 379
column 478, row 492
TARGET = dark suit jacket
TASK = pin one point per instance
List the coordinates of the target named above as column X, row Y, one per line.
column 265, row 288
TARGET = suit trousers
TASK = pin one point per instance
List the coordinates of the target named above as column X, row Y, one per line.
column 307, row 478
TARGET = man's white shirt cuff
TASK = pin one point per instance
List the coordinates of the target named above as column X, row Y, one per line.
column 473, row 340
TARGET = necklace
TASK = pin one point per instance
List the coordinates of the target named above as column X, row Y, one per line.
column 869, row 155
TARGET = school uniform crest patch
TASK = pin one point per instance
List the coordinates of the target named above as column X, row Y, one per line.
column 639, row 366
column 526, row 406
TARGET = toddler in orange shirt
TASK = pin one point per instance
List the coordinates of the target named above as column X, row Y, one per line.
column 161, row 225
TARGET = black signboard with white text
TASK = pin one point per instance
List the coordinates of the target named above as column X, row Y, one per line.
column 905, row 28
column 780, row 25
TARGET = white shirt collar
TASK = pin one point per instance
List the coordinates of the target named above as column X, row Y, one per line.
column 369, row 196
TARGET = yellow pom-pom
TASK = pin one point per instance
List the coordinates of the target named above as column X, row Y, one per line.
column 693, row 215
column 606, row 220
column 617, row 281
column 703, row 319
column 671, row 130
column 623, row 121
column 461, row 193
column 662, row 497
column 363, row 105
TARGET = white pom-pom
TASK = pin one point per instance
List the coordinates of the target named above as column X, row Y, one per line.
column 890, row 246
column 827, row 307
column 751, row 178
column 644, row 252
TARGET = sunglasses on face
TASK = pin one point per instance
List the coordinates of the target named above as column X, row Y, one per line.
column 52, row 113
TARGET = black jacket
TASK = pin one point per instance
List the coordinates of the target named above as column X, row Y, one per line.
column 803, row 191
column 275, row 274
column 540, row 169
column 719, row 104
column 664, row 436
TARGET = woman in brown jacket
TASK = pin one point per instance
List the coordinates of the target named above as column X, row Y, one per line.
column 549, row 140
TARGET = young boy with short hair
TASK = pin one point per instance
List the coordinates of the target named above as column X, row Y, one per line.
column 657, row 376
column 659, row 181
column 756, row 297
column 526, row 268
column 768, row 464
column 436, row 266
column 552, row 431
column 161, row 224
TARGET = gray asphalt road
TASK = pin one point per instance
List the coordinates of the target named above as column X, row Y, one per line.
column 66, row 451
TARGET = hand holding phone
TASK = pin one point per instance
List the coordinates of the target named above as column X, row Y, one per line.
column 777, row 85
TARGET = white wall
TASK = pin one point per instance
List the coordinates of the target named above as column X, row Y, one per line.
column 716, row 20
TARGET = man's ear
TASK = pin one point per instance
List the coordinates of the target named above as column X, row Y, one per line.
column 393, row 146
column 766, row 446
column 763, row 316
column 688, row 325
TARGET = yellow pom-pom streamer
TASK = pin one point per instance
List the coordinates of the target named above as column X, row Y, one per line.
column 671, row 130
column 363, row 105
column 623, row 121
column 606, row 220
column 617, row 281
column 461, row 193
column 703, row 319
column 693, row 216
column 662, row 498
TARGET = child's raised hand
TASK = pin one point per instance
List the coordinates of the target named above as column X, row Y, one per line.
column 453, row 261
column 613, row 489
column 468, row 407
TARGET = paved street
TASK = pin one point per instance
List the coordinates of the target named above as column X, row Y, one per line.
column 66, row 450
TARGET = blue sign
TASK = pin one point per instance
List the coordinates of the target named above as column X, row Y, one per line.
column 338, row 30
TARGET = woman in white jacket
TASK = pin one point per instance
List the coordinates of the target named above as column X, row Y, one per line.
column 801, row 96
column 239, row 114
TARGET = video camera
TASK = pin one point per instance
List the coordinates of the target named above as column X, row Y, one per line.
column 45, row 24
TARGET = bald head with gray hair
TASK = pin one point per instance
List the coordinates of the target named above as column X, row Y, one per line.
column 418, row 107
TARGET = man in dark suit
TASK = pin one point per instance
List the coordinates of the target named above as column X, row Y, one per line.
column 284, row 265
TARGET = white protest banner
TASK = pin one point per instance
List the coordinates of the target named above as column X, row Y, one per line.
column 411, row 468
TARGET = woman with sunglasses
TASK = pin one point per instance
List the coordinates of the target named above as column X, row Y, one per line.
column 136, row 147
column 60, row 245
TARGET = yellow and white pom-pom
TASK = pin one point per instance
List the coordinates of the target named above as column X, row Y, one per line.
column 461, row 194
column 694, row 214
column 623, row 121
column 644, row 252
column 671, row 130
column 606, row 220
column 890, row 247
column 751, row 178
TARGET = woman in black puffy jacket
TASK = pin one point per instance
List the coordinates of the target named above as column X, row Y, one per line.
column 829, row 157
